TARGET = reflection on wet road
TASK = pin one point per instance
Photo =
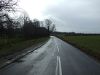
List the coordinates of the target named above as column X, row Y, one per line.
column 54, row 58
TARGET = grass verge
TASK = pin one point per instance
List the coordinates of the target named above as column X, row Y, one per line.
column 13, row 45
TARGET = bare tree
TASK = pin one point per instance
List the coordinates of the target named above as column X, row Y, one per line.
column 48, row 23
column 53, row 28
column 7, row 5
column 36, row 23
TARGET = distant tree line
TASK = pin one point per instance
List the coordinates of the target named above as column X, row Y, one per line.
column 74, row 34
column 22, row 26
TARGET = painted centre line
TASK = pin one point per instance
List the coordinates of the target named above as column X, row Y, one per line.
column 58, row 67
column 57, row 46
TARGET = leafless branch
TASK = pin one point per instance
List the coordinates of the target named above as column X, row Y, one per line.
column 8, row 5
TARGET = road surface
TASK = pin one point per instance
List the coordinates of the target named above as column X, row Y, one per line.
column 54, row 58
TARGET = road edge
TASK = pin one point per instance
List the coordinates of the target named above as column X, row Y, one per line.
column 22, row 55
column 81, row 49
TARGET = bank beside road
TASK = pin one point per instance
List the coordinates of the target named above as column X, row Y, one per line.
column 18, row 48
column 89, row 44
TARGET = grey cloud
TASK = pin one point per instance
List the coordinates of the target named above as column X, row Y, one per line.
column 76, row 15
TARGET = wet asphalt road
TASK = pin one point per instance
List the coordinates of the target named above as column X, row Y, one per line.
column 54, row 58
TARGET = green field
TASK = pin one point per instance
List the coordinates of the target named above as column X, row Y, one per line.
column 13, row 45
column 89, row 44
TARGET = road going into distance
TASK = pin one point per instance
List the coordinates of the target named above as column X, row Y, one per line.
column 56, row 57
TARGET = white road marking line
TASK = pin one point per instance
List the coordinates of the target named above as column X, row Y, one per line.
column 56, row 73
column 58, row 67
column 54, row 51
column 57, row 46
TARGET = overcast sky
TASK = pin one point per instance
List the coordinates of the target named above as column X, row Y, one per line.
column 68, row 15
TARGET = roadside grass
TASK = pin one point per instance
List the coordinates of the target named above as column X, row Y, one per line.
column 13, row 45
column 88, row 44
